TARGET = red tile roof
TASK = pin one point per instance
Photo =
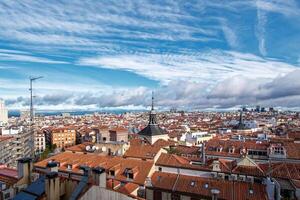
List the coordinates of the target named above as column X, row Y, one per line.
column 201, row 187
column 142, row 151
column 76, row 160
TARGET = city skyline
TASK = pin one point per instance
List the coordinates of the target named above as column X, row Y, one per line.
column 195, row 55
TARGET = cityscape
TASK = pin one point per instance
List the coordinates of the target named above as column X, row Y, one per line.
column 150, row 100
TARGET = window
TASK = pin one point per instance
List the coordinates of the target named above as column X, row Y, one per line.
column 193, row 183
column 130, row 175
column 205, row 185
column 112, row 172
column 278, row 150
column 7, row 195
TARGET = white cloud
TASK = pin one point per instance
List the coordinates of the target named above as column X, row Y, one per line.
column 281, row 91
column 27, row 58
column 211, row 66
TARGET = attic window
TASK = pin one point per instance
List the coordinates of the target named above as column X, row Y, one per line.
column 112, row 172
column 251, row 191
column 69, row 167
column 193, row 183
column 128, row 173
column 206, row 185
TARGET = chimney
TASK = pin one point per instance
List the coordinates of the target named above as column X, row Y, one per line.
column 24, row 170
column 203, row 153
column 52, row 186
column 52, row 166
column 99, row 176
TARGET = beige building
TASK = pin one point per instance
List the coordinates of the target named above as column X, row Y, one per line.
column 3, row 113
column 39, row 142
column 63, row 137
column 6, row 150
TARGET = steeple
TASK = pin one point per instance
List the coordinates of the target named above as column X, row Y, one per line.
column 152, row 114
column 152, row 105
column 152, row 132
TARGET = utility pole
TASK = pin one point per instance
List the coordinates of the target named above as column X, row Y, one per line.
column 32, row 112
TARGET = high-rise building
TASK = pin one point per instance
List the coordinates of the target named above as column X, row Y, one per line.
column 3, row 113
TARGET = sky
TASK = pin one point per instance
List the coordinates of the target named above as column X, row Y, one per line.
column 198, row 54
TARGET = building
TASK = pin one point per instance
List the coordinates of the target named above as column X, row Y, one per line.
column 39, row 143
column 6, row 150
column 14, row 180
column 76, row 173
column 3, row 113
column 24, row 114
column 195, row 138
column 22, row 144
column 63, row 137
column 102, row 148
column 152, row 132
column 184, row 187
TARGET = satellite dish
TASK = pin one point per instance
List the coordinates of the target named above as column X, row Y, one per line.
column 88, row 148
column 97, row 148
column 103, row 149
column 93, row 148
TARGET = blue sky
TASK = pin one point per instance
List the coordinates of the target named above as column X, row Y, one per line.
column 112, row 54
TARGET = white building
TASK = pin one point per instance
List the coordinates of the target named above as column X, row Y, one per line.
column 195, row 138
column 3, row 113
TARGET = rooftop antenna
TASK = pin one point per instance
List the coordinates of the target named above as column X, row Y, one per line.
column 32, row 79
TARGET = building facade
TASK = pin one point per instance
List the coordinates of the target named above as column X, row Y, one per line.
column 3, row 113
column 63, row 137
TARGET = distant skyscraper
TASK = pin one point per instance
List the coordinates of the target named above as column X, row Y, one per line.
column 3, row 113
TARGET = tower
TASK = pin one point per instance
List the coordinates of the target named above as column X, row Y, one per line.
column 152, row 132
column 3, row 113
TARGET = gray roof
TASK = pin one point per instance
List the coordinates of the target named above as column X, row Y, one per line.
column 151, row 130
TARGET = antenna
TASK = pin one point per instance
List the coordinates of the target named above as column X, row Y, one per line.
column 32, row 79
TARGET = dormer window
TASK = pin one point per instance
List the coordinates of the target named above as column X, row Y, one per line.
column 129, row 173
column 205, row 185
column 219, row 149
column 69, row 167
column 279, row 150
column 193, row 183
column 251, row 192
column 231, row 150
column 111, row 172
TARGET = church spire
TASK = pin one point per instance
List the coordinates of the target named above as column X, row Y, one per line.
column 152, row 105
column 152, row 114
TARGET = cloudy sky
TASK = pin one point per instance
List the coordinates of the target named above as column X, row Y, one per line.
column 112, row 54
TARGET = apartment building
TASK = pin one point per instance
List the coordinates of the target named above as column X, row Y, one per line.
column 39, row 143
column 22, row 142
column 6, row 149
column 3, row 113
column 63, row 137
